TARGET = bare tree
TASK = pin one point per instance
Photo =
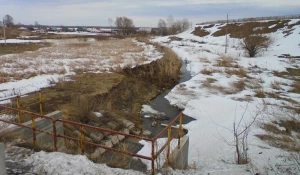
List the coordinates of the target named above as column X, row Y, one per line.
column 125, row 25
column 170, row 21
column 36, row 23
column 182, row 25
column 8, row 20
column 254, row 44
column 240, row 133
column 162, row 27
column 110, row 22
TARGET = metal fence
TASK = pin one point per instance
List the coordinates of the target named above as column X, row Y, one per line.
column 155, row 153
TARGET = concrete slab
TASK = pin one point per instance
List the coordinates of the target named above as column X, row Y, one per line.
column 2, row 159
column 179, row 156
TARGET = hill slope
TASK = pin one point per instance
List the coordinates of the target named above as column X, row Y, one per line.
column 232, row 88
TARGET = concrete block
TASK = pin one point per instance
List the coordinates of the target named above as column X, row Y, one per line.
column 135, row 131
column 2, row 159
column 108, row 143
column 97, row 153
column 179, row 156
column 96, row 137
column 114, row 139
column 121, row 137
column 146, row 133
column 126, row 131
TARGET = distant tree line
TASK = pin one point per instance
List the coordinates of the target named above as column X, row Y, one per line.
column 172, row 26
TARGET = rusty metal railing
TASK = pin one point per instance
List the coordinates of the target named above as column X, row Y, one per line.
column 83, row 142
column 17, row 98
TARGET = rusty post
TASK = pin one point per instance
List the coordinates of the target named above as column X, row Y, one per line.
column 18, row 107
column 169, row 147
column 82, row 139
column 41, row 102
column 180, row 130
column 152, row 157
column 54, row 135
column 33, row 130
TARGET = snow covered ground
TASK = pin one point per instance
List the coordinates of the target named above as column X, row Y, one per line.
column 211, row 135
column 213, row 102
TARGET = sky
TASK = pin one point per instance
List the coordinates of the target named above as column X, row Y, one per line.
column 144, row 13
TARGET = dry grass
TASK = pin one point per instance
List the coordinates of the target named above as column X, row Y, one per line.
column 276, row 85
column 95, row 53
column 14, row 48
column 208, row 83
column 260, row 93
column 226, row 61
column 6, row 137
column 239, row 85
column 287, row 138
column 200, row 32
column 206, row 71
column 238, row 30
column 204, row 60
column 240, row 72
column 296, row 87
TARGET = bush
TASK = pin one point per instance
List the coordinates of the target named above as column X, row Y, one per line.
column 254, row 44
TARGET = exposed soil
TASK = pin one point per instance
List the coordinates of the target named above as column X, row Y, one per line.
column 238, row 30
column 200, row 32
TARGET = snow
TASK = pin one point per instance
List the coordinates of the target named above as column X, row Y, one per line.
column 26, row 85
column 65, row 164
column 211, row 135
column 10, row 41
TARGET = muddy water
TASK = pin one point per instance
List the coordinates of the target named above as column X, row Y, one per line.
column 162, row 105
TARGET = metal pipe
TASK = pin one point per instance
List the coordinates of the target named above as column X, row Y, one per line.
column 105, row 130
column 19, row 106
column 166, row 128
column 33, row 130
column 41, row 102
column 152, row 157
column 54, row 135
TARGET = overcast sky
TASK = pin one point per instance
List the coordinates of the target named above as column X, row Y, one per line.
column 143, row 12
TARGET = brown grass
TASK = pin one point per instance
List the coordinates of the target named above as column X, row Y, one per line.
column 241, row 72
column 260, row 93
column 238, row 30
column 276, row 85
column 226, row 61
column 283, row 139
column 239, row 85
column 296, row 87
column 200, row 32
column 13, row 48
column 6, row 137
column 112, row 50
column 204, row 60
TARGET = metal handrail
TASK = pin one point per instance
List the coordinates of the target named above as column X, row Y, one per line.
column 83, row 142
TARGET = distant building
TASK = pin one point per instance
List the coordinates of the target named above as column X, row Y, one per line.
column 145, row 29
column 22, row 28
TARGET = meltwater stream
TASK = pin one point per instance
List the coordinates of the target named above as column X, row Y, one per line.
column 162, row 105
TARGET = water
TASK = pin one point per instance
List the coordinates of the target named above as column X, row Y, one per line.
column 162, row 105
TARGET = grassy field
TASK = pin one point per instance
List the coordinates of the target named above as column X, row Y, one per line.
column 15, row 48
